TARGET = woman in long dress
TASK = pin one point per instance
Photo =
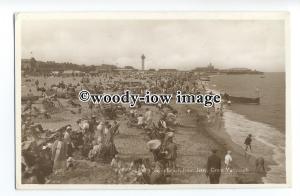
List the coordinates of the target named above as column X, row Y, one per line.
column 59, row 154
column 109, row 149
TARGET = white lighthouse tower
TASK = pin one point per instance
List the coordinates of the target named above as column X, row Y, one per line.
column 143, row 61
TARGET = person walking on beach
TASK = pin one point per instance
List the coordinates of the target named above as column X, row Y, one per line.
column 228, row 160
column 213, row 168
column 247, row 142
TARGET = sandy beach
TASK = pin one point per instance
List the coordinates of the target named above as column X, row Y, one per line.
column 195, row 139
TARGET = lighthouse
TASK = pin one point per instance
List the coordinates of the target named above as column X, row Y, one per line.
column 143, row 61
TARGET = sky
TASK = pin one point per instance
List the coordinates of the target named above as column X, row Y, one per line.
column 180, row 44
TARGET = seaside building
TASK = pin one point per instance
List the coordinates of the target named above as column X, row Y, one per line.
column 151, row 70
column 69, row 73
column 25, row 64
column 209, row 68
column 124, row 70
column 167, row 70
column 240, row 71
column 105, row 68
column 29, row 65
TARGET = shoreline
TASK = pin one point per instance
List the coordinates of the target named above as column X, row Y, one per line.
column 217, row 133
column 264, row 121
column 271, row 151
column 219, row 83
column 255, row 119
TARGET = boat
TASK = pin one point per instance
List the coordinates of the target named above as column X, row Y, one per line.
column 243, row 100
column 246, row 100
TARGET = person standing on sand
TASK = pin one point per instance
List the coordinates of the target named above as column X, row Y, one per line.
column 99, row 132
column 171, row 150
column 92, row 124
column 59, row 154
column 109, row 149
column 67, row 140
column 140, row 121
column 228, row 160
column 162, row 123
column 148, row 117
column 213, row 168
column 247, row 142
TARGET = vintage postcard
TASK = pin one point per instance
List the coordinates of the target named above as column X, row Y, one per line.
column 133, row 100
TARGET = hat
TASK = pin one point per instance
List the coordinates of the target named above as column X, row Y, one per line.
column 170, row 134
column 68, row 128
column 153, row 144
column 85, row 126
column 49, row 145
column 228, row 152
column 93, row 116
column 100, row 126
column 214, row 150
column 70, row 160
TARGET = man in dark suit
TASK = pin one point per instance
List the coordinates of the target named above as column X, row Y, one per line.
column 213, row 169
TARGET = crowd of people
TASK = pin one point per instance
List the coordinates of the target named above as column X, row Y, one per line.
column 46, row 152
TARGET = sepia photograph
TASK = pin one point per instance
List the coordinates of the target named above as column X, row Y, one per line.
column 151, row 100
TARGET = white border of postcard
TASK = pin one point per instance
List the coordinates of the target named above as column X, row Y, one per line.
column 19, row 17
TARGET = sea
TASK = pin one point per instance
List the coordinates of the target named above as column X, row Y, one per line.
column 266, row 121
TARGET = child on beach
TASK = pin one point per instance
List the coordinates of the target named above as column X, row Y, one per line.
column 228, row 160
column 247, row 142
